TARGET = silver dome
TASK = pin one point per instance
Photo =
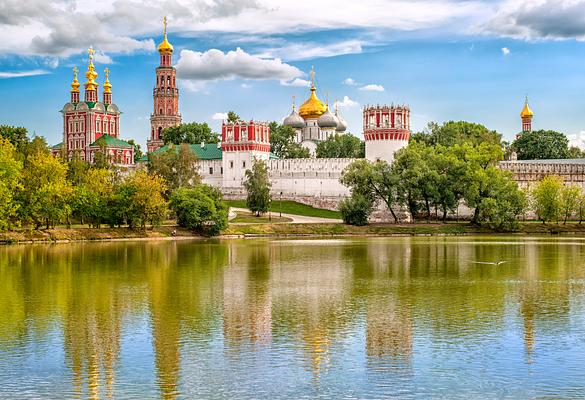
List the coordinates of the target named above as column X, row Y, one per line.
column 68, row 107
column 342, row 125
column 294, row 120
column 327, row 120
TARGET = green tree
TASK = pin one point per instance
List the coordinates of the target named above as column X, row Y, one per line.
column 570, row 199
column 178, row 166
column 547, row 198
column 10, row 183
column 541, row 145
column 191, row 133
column 92, row 197
column 576, row 152
column 356, row 209
column 200, row 209
column 374, row 181
column 233, row 117
column 341, row 146
column 257, row 186
column 137, row 151
column 46, row 193
column 18, row 136
column 141, row 199
column 282, row 142
column 456, row 132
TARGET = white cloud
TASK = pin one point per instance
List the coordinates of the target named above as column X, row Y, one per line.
column 297, row 82
column 214, row 65
column 21, row 74
column 219, row 116
column 245, row 86
column 505, row 51
column 577, row 140
column 347, row 103
column 349, row 82
column 311, row 50
column 372, row 88
column 102, row 58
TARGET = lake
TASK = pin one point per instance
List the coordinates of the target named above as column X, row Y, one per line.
column 406, row 317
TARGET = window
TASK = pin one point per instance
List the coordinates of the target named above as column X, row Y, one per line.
column 231, row 164
column 210, row 170
column 221, row 170
column 243, row 164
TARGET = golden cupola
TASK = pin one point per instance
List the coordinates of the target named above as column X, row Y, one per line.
column 91, row 75
column 165, row 46
column 526, row 111
column 75, row 84
column 312, row 108
column 107, row 84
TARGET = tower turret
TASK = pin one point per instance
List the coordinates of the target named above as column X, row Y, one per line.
column 107, row 88
column 386, row 130
column 91, row 86
column 526, row 116
column 75, row 87
column 165, row 48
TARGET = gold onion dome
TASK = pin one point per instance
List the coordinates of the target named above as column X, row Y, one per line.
column 313, row 107
column 75, row 84
column 526, row 111
column 91, row 75
column 165, row 46
column 107, row 84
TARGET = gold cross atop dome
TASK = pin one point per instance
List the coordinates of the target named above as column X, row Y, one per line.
column 313, row 108
column 165, row 46
column 107, row 84
column 75, row 84
column 91, row 84
column 312, row 74
column 526, row 111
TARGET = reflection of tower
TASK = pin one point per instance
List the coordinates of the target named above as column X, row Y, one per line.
column 166, row 95
column 388, row 329
column 386, row 130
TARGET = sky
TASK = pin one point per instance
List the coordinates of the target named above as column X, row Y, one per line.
column 472, row 60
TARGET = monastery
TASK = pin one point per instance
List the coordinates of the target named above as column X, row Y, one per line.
column 90, row 126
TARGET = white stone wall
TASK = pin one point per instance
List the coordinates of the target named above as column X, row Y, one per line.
column 527, row 173
column 211, row 172
column 383, row 149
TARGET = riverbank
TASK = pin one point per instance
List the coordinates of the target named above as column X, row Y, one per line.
column 62, row 235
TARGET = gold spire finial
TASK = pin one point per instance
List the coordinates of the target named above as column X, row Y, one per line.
column 91, row 74
column 165, row 46
column 107, row 84
column 75, row 84
column 294, row 105
column 526, row 111
column 312, row 76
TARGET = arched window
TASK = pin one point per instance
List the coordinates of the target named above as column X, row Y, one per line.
column 98, row 125
column 159, row 132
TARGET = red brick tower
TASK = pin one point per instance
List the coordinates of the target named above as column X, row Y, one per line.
column 166, row 95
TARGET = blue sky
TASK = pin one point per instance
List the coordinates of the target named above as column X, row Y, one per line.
column 447, row 59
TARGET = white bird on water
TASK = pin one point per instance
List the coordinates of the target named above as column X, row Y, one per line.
column 496, row 263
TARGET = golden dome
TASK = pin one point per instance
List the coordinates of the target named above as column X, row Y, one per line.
column 526, row 111
column 107, row 84
column 75, row 84
column 313, row 107
column 165, row 46
column 91, row 84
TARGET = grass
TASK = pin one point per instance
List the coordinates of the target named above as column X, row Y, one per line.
column 292, row 207
column 249, row 218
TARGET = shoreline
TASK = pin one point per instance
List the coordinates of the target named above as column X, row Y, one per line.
column 300, row 230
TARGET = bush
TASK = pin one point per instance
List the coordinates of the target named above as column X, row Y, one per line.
column 200, row 209
column 356, row 210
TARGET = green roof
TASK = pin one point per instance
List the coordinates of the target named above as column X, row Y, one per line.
column 111, row 142
column 90, row 104
column 57, row 146
column 209, row 151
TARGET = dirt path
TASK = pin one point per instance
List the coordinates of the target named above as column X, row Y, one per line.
column 296, row 219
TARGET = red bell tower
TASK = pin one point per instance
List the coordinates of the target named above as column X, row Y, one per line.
column 166, row 95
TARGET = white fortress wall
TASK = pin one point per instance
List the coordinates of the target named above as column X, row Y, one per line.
column 528, row 172
column 211, row 172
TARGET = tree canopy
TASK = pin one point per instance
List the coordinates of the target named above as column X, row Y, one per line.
column 177, row 166
column 200, row 209
column 282, row 142
column 453, row 132
column 257, row 187
column 541, row 145
column 192, row 133
column 341, row 146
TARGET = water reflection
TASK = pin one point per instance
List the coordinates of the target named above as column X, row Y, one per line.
column 297, row 318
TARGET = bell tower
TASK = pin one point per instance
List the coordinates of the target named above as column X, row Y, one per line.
column 165, row 94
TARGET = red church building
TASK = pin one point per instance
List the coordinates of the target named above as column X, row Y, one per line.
column 91, row 126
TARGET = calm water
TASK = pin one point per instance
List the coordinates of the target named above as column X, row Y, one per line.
column 364, row 318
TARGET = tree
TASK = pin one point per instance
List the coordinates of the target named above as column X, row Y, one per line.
column 10, row 183
column 233, row 117
column 92, row 196
column 18, row 136
column 283, row 144
column 341, row 146
column 137, row 151
column 451, row 133
column 258, row 188
column 200, row 209
column 547, row 199
column 177, row 166
column 356, row 210
column 541, row 145
column 141, row 199
column 192, row 133
column 576, row 152
column 374, row 181
column 46, row 193
column 570, row 199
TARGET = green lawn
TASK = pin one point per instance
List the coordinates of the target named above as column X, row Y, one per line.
column 249, row 218
column 292, row 207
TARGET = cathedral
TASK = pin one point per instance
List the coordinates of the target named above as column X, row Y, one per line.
column 91, row 126
column 314, row 122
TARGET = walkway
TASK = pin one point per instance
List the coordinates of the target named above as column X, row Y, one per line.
column 296, row 219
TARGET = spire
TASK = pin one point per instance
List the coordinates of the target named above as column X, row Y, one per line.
column 165, row 46
column 294, row 105
column 75, row 84
column 91, row 84
column 312, row 73
column 107, row 84
column 526, row 111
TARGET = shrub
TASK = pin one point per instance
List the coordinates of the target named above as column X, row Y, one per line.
column 200, row 209
column 356, row 210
